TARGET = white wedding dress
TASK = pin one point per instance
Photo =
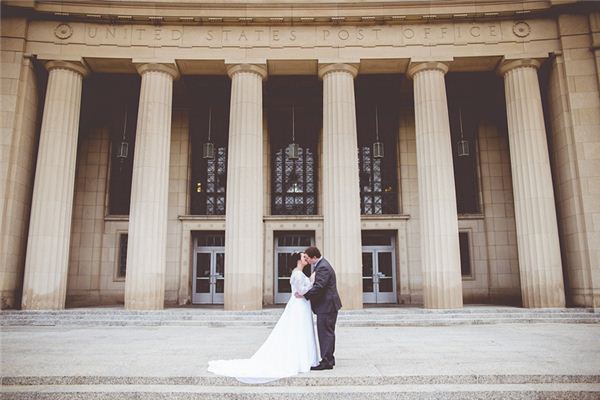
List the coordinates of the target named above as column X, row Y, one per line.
column 291, row 347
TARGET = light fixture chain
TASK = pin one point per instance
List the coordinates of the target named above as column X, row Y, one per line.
column 460, row 121
column 209, row 121
column 125, row 125
column 376, row 123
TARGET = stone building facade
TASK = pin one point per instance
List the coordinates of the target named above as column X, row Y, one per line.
column 161, row 153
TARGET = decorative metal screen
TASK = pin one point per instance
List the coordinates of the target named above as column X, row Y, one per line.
column 376, row 111
column 208, row 182
column 209, row 187
column 294, row 118
column 294, row 191
column 377, row 183
column 211, row 239
column 122, row 267
column 295, row 239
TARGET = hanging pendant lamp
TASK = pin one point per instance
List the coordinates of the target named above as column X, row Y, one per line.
column 293, row 150
column 463, row 144
column 377, row 146
column 208, row 148
column 124, row 145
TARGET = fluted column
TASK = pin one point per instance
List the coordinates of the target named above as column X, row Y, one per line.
column 47, row 259
column 341, row 187
column 535, row 215
column 147, row 234
column 244, row 204
column 440, row 254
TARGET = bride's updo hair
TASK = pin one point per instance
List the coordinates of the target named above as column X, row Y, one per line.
column 295, row 257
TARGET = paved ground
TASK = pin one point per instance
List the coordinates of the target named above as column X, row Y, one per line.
column 544, row 349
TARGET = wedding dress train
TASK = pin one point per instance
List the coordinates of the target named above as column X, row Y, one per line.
column 291, row 347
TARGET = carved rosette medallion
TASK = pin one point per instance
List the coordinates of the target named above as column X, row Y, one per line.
column 521, row 29
column 63, row 31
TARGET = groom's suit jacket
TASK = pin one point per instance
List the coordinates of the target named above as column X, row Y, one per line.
column 323, row 296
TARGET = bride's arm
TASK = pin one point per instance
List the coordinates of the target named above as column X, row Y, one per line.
column 300, row 281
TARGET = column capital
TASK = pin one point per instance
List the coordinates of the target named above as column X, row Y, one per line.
column 417, row 66
column 508, row 64
column 166, row 67
column 260, row 69
column 77, row 66
column 325, row 68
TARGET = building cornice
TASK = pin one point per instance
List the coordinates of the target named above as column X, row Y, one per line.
column 286, row 12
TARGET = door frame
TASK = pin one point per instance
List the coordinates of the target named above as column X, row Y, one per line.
column 212, row 297
column 377, row 297
column 283, row 298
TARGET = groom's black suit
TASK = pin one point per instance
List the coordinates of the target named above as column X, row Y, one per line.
column 325, row 302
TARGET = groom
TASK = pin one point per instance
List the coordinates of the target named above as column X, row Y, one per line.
column 325, row 302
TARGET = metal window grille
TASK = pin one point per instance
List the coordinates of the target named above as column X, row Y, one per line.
column 208, row 182
column 211, row 239
column 209, row 188
column 377, row 120
column 293, row 183
column 378, row 194
column 122, row 266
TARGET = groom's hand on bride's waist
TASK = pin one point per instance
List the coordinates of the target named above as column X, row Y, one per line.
column 298, row 295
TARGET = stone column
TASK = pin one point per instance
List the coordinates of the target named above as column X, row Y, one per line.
column 440, row 254
column 341, row 186
column 244, row 204
column 47, row 258
column 595, row 38
column 147, row 235
column 535, row 215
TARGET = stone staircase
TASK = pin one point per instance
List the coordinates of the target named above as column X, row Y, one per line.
column 368, row 317
column 313, row 388
column 358, row 382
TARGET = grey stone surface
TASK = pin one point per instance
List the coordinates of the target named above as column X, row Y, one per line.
column 305, row 381
column 505, row 392
column 499, row 361
column 369, row 317
column 524, row 349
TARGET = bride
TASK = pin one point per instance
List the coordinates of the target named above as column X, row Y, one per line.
column 291, row 347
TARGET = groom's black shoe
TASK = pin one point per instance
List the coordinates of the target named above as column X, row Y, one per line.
column 321, row 367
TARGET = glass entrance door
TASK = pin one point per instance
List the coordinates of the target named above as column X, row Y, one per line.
column 208, row 281
column 286, row 243
column 209, row 277
column 379, row 271
column 379, row 278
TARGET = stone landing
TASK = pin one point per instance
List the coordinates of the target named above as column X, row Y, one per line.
column 557, row 360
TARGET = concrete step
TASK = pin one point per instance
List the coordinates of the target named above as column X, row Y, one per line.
column 313, row 387
column 358, row 318
column 272, row 311
column 381, row 392
column 226, row 315
column 57, row 320
column 357, row 324
column 331, row 379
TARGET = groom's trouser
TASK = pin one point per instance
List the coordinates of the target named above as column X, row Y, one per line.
column 326, row 331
